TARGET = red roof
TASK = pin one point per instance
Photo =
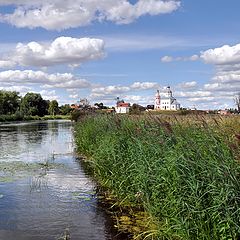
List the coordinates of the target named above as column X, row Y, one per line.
column 123, row 105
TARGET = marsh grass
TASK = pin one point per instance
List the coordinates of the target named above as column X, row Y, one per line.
column 182, row 170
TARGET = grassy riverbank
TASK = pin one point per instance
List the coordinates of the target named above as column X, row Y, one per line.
column 183, row 171
column 17, row 117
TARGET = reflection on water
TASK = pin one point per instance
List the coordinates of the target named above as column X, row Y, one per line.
column 43, row 204
column 36, row 141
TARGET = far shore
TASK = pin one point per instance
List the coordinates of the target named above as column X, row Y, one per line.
column 14, row 118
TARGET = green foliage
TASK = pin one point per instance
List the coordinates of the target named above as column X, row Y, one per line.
column 9, row 102
column 65, row 109
column 30, row 107
column 78, row 114
column 53, row 107
column 183, row 173
column 136, row 109
column 53, row 117
column 32, row 104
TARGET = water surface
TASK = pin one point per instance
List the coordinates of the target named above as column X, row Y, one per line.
column 41, row 201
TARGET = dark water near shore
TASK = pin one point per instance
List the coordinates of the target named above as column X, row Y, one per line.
column 40, row 201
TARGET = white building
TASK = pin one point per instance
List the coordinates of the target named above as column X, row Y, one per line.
column 166, row 102
column 122, row 107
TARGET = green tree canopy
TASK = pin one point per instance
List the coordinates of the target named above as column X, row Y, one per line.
column 9, row 102
column 32, row 104
column 136, row 109
column 65, row 109
column 53, row 107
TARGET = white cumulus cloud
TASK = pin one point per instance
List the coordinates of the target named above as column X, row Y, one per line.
column 118, row 89
column 144, row 85
column 7, row 63
column 226, row 60
column 167, row 59
column 60, row 14
column 21, row 89
column 188, row 85
column 111, row 92
column 49, row 95
column 57, row 80
column 63, row 50
column 199, row 93
column 222, row 55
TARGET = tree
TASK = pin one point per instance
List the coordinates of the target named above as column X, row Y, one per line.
column 65, row 109
column 9, row 102
column 32, row 104
column 150, row 107
column 237, row 101
column 44, row 107
column 100, row 106
column 136, row 109
column 53, row 107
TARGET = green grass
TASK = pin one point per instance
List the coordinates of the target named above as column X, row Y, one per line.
column 53, row 117
column 18, row 117
column 184, row 172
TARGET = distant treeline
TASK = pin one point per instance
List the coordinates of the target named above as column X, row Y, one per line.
column 15, row 107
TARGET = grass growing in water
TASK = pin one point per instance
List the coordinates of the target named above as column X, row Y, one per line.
column 184, row 172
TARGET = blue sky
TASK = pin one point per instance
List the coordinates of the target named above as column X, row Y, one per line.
column 103, row 49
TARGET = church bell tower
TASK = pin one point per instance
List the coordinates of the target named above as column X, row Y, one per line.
column 157, row 103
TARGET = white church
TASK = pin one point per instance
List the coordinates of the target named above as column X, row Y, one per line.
column 166, row 101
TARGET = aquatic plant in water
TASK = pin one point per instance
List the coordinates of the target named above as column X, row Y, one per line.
column 12, row 171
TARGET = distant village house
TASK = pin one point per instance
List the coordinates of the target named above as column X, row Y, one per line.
column 122, row 107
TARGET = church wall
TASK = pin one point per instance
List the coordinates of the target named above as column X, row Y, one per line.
column 167, row 103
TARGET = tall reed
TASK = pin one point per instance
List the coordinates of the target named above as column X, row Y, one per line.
column 183, row 171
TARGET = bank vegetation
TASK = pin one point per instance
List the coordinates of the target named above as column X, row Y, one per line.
column 182, row 171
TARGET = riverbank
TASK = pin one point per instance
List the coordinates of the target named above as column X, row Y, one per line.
column 183, row 172
column 16, row 117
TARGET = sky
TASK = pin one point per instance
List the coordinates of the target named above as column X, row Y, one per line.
column 104, row 49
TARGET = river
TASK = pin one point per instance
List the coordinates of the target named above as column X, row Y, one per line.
column 44, row 192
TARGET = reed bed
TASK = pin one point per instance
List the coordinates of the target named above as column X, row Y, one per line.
column 183, row 170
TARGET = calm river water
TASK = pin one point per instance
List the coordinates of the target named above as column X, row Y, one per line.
column 46, row 200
